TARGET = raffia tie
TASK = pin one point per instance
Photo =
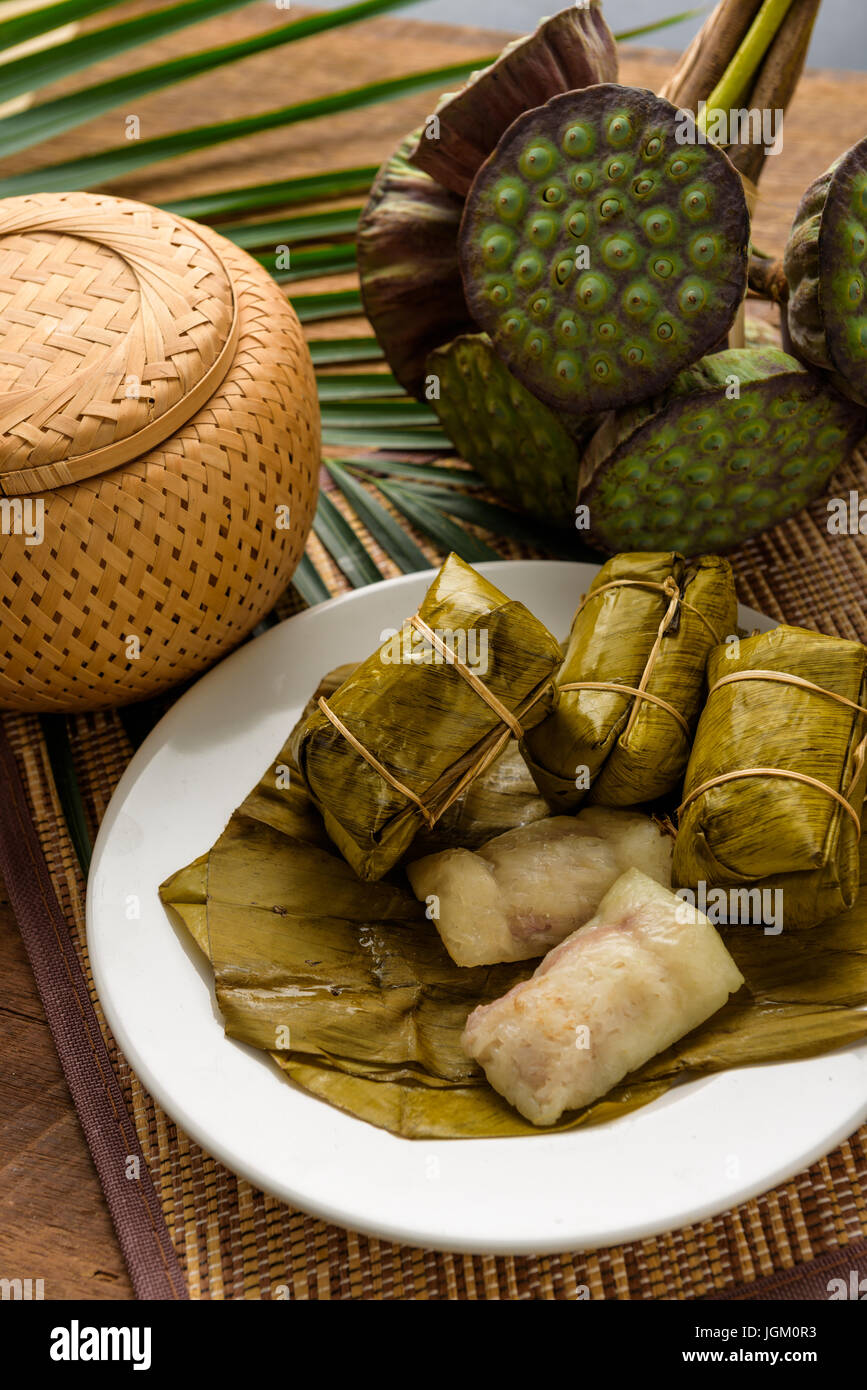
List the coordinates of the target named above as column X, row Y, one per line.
column 670, row 588
column 513, row 727
column 843, row 798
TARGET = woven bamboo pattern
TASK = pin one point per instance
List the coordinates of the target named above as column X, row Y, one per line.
column 146, row 573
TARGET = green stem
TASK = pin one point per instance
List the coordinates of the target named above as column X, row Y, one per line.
column 738, row 77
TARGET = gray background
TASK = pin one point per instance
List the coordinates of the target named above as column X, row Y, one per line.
column 839, row 38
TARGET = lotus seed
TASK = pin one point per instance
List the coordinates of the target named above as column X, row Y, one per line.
column 658, row 225
column 510, row 201
column 536, row 161
column 703, row 250
column 653, row 147
column 497, row 249
column 691, row 297
column 619, row 130
column 694, row 203
column 608, row 208
column 577, row 224
column 578, row 139
column 663, row 267
column 542, row 230
column 528, row 269
column 592, row 291
column 618, row 252
column 566, row 368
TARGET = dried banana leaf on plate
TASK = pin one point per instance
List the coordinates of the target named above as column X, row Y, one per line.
column 626, row 749
column 426, row 730
column 794, row 829
column 346, row 985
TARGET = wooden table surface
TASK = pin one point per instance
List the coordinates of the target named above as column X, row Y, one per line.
column 53, row 1221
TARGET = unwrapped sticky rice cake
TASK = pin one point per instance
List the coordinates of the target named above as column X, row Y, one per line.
column 646, row 970
column 524, row 891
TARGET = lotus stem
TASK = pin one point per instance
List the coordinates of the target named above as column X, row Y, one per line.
column 767, row 279
column 778, row 78
column 738, row 77
column 710, row 53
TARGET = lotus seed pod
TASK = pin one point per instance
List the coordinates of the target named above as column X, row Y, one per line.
column 573, row 49
column 526, row 452
column 740, row 441
column 646, row 265
column 407, row 263
column 826, row 267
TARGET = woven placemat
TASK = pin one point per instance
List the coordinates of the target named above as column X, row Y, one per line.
column 197, row 1230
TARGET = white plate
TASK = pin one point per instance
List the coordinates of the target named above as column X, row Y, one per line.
column 695, row 1152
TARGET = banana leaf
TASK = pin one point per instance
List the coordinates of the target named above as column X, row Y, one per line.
column 423, row 721
column 779, row 832
column 587, row 748
column 347, row 986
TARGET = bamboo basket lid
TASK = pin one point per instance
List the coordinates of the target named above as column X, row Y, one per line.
column 119, row 322
column 159, row 449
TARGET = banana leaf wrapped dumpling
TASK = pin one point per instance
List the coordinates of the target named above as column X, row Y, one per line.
column 775, row 784
column 398, row 742
column 632, row 681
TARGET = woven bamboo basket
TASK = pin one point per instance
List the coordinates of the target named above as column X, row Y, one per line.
column 159, row 449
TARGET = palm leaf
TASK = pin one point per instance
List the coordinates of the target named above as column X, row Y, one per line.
column 395, row 541
column 502, row 521
column 310, row 188
column 56, row 735
column 51, row 118
column 87, row 171
column 434, row 523
column 643, row 29
column 339, row 352
column 22, row 27
column 343, row 545
column 365, row 437
column 378, row 415
column 306, row 265
column 354, row 386
column 420, row 472
column 332, row 304
column 309, row 583
column 289, row 231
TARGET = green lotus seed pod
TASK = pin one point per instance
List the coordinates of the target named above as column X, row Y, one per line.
column 725, row 475
column 526, row 452
column 826, row 266
column 670, row 268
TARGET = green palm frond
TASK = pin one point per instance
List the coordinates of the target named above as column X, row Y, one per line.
column 314, row 188
column 387, row 475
